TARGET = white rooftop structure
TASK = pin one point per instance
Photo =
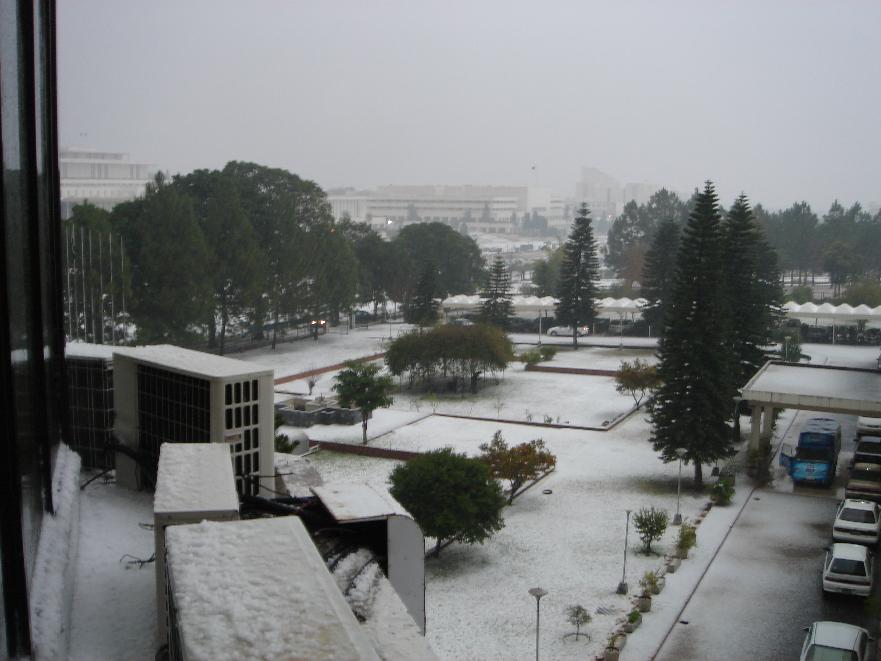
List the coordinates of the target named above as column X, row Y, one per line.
column 75, row 349
column 349, row 502
column 187, row 361
column 235, row 597
column 194, row 477
column 843, row 313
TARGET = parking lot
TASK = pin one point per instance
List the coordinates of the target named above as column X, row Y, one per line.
column 763, row 588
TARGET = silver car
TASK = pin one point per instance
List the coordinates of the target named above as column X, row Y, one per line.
column 566, row 331
column 835, row 640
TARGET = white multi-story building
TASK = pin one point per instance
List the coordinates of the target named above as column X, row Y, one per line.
column 102, row 178
column 606, row 196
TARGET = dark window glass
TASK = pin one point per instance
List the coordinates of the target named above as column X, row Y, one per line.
column 238, row 390
column 247, row 391
column 254, row 389
column 247, row 415
column 228, row 394
column 254, row 415
column 229, row 418
column 238, row 416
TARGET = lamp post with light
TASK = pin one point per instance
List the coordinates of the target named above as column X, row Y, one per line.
column 538, row 593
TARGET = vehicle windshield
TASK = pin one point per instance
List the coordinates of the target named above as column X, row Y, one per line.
column 857, row 516
column 863, row 458
column 867, row 474
column 848, row 567
column 823, row 653
column 812, row 454
column 812, row 438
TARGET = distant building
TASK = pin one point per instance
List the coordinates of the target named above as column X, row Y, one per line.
column 606, row 196
column 102, row 178
column 467, row 208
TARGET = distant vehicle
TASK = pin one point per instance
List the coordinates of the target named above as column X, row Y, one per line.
column 835, row 641
column 864, row 482
column 857, row 522
column 815, row 459
column 848, row 570
column 566, row 331
column 461, row 321
column 868, row 426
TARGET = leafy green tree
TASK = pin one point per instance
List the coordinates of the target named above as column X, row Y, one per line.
column 691, row 407
column 636, row 379
column 422, row 308
column 457, row 258
column 751, row 290
column 839, row 262
column 863, row 292
column 650, row 524
column 659, row 273
column 497, row 307
column 579, row 275
column 333, row 277
column 451, row 497
column 517, row 464
column 361, row 386
column 546, row 273
column 169, row 260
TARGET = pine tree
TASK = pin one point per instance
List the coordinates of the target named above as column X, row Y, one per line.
column 422, row 307
column 659, row 272
column 579, row 274
column 497, row 307
column 750, row 290
column 692, row 405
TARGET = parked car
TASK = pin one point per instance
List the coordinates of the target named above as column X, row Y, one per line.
column 835, row 640
column 567, row 331
column 848, row 570
column 868, row 426
column 460, row 321
column 868, row 451
column 857, row 522
column 864, row 482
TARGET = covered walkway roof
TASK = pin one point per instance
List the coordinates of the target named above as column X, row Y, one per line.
column 847, row 390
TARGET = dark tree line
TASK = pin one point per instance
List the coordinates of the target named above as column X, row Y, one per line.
column 214, row 247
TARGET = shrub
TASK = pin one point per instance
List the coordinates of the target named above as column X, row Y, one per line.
column 633, row 616
column 687, row 537
column 722, row 492
column 531, row 357
column 518, row 464
column 547, row 352
column 649, row 582
column 650, row 523
column 578, row 616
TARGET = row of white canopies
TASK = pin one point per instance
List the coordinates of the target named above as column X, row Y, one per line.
column 843, row 313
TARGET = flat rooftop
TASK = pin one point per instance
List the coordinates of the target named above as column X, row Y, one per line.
column 816, row 388
column 194, row 363
column 349, row 502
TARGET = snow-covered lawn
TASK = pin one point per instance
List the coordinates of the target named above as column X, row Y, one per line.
column 596, row 358
column 570, row 542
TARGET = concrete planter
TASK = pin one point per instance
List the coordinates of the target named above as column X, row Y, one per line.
column 682, row 554
column 611, row 654
column 630, row 627
column 673, row 565
column 659, row 585
column 644, row 604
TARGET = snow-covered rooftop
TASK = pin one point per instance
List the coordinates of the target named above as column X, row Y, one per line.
column 196, row 363
column 75, row 349
column 195, row 477
column 258, row 589
column 348, row 502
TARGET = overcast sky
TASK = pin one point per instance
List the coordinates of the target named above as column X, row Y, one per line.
column 781, row 100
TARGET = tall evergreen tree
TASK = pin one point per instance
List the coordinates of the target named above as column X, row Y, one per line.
column 579, row 274
column 497, row 307
column 658, row 274
column 422, row 307
column 750, row 290
column 691, row 407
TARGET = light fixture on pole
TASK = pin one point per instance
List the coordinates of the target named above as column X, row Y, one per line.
column 622, row 586
column 677, row 518
column 538, row 593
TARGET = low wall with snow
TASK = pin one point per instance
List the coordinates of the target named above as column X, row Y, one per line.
column 55, row 566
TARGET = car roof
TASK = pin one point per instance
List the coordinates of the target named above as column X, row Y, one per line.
column 837, row 634
column 867, row 418
column 867, row 468
column 849, row 551
column 857, row 504
column 821, row 424
column 869, row 444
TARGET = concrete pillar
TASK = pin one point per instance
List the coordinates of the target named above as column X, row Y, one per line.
column 767, row 426
column 755, row 428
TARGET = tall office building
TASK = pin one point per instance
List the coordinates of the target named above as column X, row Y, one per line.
column 102, row 178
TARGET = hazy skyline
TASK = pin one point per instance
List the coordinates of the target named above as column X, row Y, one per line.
column 779, row 100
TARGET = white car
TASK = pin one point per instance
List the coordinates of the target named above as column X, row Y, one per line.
column 857, row 522
column 868, row 426
column 848, row 570
column 836, row 641
column 567, row 331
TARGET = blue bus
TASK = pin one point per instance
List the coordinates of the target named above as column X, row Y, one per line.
column 816, row 456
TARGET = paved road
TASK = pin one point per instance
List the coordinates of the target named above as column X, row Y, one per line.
column 764, row 585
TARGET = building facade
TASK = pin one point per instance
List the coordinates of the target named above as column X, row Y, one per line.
column 102, row 178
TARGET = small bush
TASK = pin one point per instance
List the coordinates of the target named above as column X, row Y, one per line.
column 651, row 524
column 648, row 582
column 547, row 352
column 532, row 357
column 283, row 444
column 633, row 616
column 722, row 492
column 687, row 537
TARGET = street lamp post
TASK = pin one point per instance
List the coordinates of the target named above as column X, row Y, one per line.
column 622, row 586
column 677, row 519
column 538, row 593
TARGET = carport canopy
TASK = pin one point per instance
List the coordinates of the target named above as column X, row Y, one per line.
column 827, row 388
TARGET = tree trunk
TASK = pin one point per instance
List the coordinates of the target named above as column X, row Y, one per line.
column 274, row 328
column 437, row 548
column 574, row 336
column 364, row 415
column 223, row 316
column 698, row 474
column 212, row 331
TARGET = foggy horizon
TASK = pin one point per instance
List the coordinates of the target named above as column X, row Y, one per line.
column 780, row 102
